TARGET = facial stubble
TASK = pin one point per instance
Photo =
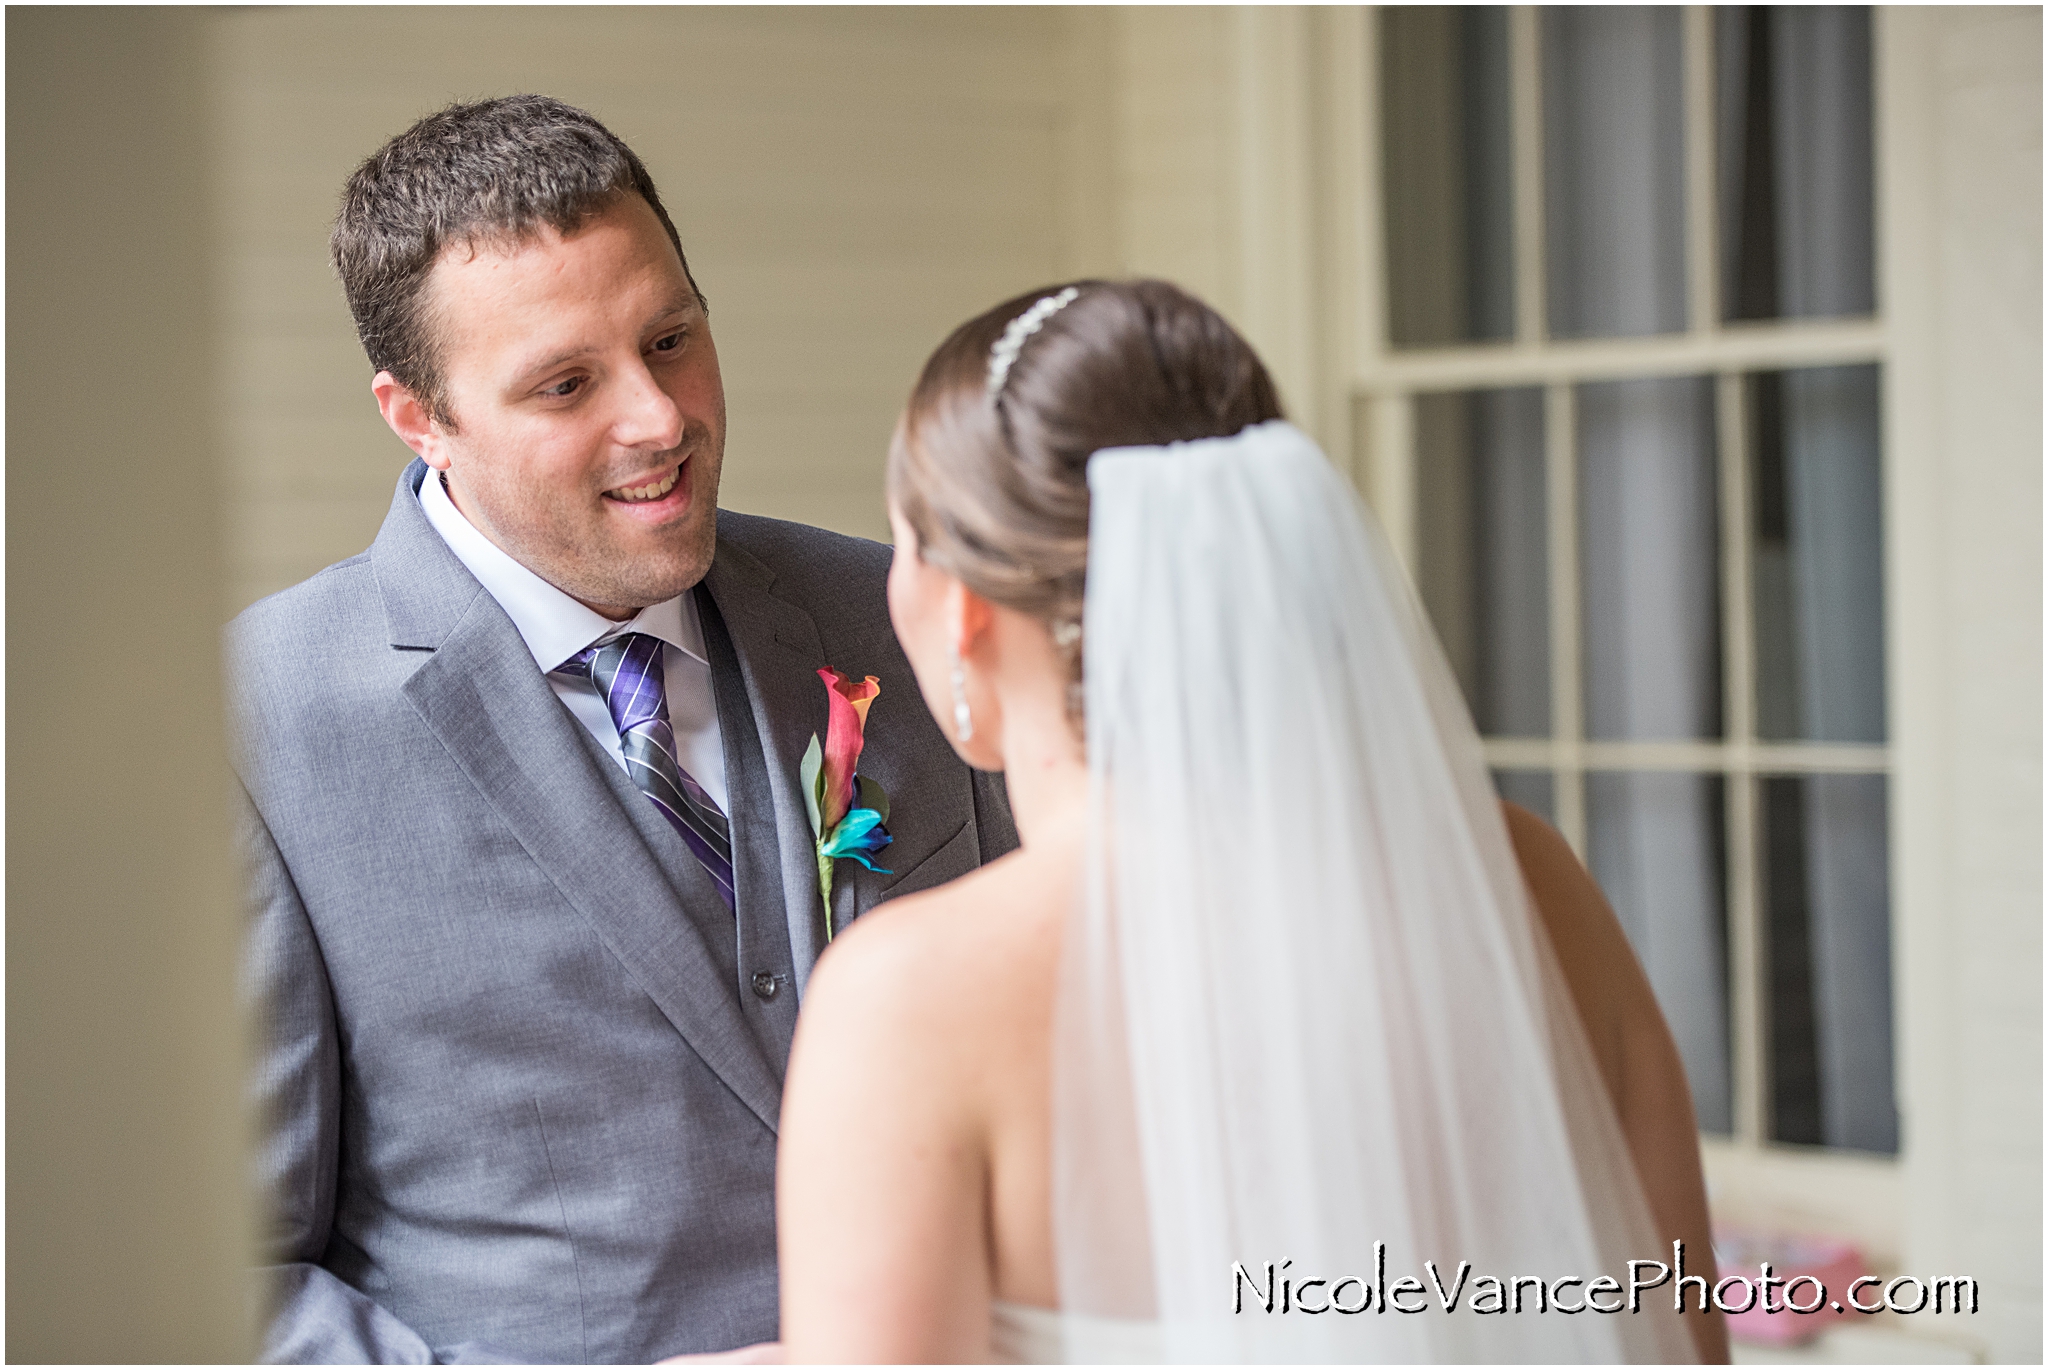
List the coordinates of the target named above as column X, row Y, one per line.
column 581, row 556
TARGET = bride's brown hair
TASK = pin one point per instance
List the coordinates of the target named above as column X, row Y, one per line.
column 997, row 489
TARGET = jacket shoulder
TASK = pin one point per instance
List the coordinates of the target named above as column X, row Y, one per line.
column 294, row 656
column 841, row 582
column 340, row 594
column 830, row 574
column 801, row 552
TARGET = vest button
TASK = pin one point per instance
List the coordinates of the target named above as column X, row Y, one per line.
column 765, row 984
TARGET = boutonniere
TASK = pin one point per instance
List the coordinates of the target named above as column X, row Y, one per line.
column 847, row 811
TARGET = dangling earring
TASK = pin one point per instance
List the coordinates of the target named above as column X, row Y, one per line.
column 963, row 717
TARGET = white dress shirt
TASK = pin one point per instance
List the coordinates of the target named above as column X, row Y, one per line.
column 556, row 627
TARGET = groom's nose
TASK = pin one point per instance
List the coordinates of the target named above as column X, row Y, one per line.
column 646, row 416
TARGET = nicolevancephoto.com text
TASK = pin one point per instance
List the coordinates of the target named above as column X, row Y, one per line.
column 1274, row 1290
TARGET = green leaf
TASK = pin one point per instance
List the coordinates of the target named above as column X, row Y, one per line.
column 813, row 773
column 871, row 797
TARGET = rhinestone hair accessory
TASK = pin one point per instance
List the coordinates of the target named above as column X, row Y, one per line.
column 1004, row 354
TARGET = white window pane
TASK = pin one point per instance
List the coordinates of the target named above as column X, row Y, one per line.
column 1614, row 170
column 1445, row 155
column 1794, row 140
column 1649, row 559
column 1827, row 935
column 1483, row 550
column 1818, row 567
column 1654, row 840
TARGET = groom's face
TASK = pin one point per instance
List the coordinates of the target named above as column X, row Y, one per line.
column 588, row 416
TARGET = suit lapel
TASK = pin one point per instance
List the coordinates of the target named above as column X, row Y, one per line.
column 780, row 649
column 480, row 693
column 779, row 656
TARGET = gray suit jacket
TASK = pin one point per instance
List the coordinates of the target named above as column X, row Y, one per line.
column 521, row 1067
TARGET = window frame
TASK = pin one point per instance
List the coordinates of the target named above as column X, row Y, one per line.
column 1371, row 415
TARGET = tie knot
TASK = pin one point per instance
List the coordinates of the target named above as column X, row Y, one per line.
column 627, row 671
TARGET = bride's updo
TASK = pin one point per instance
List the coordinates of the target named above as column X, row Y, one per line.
column 996, row 486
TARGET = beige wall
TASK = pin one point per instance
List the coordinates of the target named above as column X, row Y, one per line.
column 1210, row 172
column 1960, row 125
column 849, row 184
column 126, row 1210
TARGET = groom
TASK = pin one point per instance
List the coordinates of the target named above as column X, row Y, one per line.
column 534, row 887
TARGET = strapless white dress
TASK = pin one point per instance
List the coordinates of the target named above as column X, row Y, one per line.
column 1022, row 1335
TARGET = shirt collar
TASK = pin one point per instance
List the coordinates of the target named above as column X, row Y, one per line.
column 553, row 625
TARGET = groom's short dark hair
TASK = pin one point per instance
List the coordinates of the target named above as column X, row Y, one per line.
column 485, row 173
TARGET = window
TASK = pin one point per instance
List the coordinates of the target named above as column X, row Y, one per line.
column 1630, row 360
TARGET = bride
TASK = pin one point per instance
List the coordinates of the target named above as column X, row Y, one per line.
column 1277, row 1007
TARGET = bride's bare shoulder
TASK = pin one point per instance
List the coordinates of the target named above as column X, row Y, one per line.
column 971, row 954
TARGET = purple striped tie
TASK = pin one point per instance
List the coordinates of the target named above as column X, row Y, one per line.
column 627, row 671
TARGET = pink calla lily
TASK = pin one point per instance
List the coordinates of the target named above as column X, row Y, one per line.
column 847, row 811
column 849, row 700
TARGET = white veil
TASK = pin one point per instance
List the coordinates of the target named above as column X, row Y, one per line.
column 1303, row 1009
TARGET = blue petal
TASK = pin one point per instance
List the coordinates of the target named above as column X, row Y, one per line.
column 862, row 858
column 858, row 833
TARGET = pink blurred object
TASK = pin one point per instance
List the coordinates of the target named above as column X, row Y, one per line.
column 1832, row 1261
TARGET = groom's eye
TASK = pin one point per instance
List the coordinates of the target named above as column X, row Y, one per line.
column 566, row 388
column 671, row 342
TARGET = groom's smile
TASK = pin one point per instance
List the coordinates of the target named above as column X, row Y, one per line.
column 654, row 492
column 583, row 414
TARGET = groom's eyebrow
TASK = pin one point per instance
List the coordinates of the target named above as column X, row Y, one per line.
column 528, row 373
column 682, row 303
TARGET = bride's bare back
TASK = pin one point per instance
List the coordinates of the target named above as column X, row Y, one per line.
column 913, row 1180
column 915, row 1163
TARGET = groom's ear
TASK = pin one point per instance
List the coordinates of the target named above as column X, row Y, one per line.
column 410, row 419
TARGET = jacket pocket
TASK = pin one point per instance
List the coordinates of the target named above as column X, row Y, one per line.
column 950, row 860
